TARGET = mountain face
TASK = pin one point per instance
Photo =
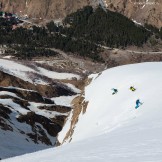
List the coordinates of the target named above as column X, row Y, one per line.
column 149, row 12
column 142, row 11
column 48, row 9
column 33, row 106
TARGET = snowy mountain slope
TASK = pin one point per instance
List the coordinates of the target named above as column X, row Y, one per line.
column 30, row 119
column 116, row 110
column 27, row 126
column 18, row 137
column 112, row 129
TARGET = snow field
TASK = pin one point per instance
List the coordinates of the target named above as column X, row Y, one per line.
column 106, row 111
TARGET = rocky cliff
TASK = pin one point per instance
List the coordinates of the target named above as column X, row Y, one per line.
column 32, row 110
column 140, row 10
column 43, row 8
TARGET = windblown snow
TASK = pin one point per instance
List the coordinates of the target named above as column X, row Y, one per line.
column 112, row 130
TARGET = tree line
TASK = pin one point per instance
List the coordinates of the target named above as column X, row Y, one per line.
column 81, row 34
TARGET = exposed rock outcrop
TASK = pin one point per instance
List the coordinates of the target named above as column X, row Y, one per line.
column 80, row 106
column 28, row 113
column 54, row 89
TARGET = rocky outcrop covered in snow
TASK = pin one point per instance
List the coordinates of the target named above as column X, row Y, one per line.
column 31, row 113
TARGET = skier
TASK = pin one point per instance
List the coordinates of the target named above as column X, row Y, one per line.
column 132, row 89
column 138, row 104
column 114, row 91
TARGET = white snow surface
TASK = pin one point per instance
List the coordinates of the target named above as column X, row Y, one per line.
column 49, row 114
column 2, row 93
column 56, row 75
column 13, row 143
column 65, row 129
column 76, row 90
column 112, row 130
column 63, row 100
column 24, row 72
column 140, row 24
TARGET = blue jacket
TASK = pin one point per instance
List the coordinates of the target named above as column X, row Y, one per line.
column 138, row 102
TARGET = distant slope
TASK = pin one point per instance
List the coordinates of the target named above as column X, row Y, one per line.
column 49, row 9
column 143, row 11
column 111, row 129
column 84, row 33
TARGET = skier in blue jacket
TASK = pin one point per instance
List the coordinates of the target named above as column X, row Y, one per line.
column 138, row 103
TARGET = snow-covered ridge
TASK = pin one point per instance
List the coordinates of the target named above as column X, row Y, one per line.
column 112, row 129
column 24, row 72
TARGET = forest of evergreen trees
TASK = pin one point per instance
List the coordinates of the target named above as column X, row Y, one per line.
column 81, row 34
column 111, row 29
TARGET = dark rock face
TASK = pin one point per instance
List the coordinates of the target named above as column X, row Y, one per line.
column 38, row 132
column 58, row 108
column 64, row 91
column 4, row 114
column 31, row 118
column 31, row 96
